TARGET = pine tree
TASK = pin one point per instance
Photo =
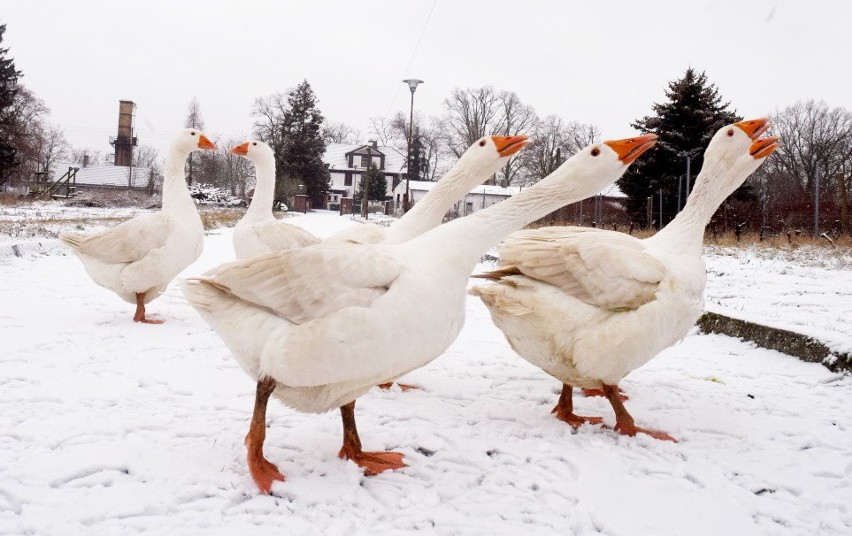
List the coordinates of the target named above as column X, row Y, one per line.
column 8, row 92
column 417, row 165
column 685, row 124
column 303, row 146
column 378, row 184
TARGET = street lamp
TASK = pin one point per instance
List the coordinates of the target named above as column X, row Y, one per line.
column 412, row 85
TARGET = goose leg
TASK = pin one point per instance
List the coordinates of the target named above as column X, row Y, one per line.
column 403, row 386
column 372, row 462
column 564, row 409
column 140, row 311
column 600, row 392
column 262, row 471
column 624, row 423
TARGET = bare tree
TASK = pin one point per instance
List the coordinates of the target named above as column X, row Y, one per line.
column 814, row 138
column 432, row 134
column 52, row 147
column 515, row 118
column 471, row 114
column 29, row 112
column 236, row 172
column 193, row 163
column 384, row 131
column 553, row 141
column 340, row 133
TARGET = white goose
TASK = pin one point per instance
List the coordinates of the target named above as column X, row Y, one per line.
column 138, row 258
column 588, row 306
column 320, row 325
column 258, row 232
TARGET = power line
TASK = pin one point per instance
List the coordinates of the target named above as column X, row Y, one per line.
column 410, row 61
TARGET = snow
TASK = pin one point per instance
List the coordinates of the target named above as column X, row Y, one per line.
column 110, row 427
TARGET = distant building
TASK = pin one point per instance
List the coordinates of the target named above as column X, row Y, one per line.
column 107, row 177
column 347, row 163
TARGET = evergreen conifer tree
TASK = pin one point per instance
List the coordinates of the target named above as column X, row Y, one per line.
column 378, row 184
column 303, row 146
column 417, row 166
column 685, row 124
column 8, row 91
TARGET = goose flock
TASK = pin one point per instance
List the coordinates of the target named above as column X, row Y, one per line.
column 307, row 319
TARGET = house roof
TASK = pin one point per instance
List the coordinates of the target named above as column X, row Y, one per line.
column 335, row 157
column 487, row 189
column 136, row 177
column 425, row 186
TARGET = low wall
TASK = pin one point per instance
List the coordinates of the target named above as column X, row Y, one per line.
column 804, row 347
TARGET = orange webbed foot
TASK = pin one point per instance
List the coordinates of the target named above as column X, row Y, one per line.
column 575, row 421
column 374, row 462
column 263, row 472
column 149, row 321
column 633, row 430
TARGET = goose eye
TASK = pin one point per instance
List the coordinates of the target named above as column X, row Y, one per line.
column 192, row 133
column 255, row 144
column 595, row 151
column 730, row 132
column 482, row 143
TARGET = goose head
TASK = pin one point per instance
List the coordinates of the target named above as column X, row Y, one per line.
column 600, row 164
column 191, row 139
column 254, row 150
column 739, row 150
column 490, row 152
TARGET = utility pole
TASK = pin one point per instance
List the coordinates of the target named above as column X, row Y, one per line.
column 649, row 209
column 365, row 194
column 844, row 201
column 816, row 203
column 688, row 161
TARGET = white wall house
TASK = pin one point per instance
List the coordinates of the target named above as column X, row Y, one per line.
column 484, row 196
column 479, row 197
column 347, row 163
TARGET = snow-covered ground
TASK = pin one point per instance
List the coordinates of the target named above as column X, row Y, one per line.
column 111, row 427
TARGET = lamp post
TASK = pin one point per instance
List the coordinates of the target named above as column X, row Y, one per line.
column 412, row 85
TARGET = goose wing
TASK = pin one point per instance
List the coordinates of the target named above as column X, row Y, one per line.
column 127, row 242
column 309, row 283
column 602, row 268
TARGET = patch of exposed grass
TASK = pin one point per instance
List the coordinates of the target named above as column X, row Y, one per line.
column 214, row 218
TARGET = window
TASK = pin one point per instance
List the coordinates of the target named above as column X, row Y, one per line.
column 365, row 161
column 347, row 179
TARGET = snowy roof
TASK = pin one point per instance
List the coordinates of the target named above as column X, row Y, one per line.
column 613, row 191
column 487, row 189
column 335, row 156
column 136, row 177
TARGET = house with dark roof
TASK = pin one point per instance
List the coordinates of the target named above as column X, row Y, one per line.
column 347, row 164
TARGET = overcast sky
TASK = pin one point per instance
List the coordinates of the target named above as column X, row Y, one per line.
column 598, row 62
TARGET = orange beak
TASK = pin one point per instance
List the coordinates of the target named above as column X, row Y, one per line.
column 509, row 145
column 763, row 148
column 629, row 149
column 205, row 143
column 241, row 149
column 754, row 127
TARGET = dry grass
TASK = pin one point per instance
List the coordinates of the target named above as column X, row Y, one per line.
column 10, row 199
column 213, row 218
column 790, row 240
